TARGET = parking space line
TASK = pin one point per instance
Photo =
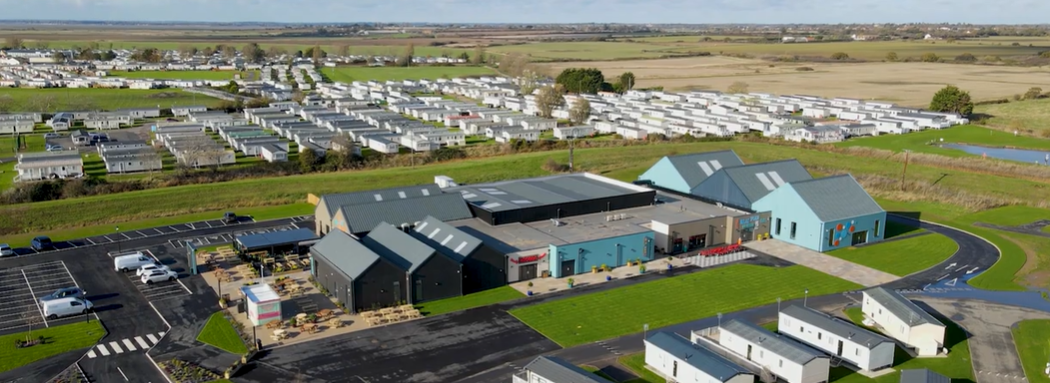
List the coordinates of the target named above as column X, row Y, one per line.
column 125, row 236
column 70, row 275
column 107, row 238
column 34, row 296
column 158, row 231
column 140, row 233
column 116, row 347
column 89, row 241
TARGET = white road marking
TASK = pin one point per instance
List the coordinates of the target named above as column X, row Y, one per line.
column 102, row 349
column 129, row 345
column 41, row 310
column 89, row 241
column 152, row 339
column 116, row 347
column 91, row 354
column 122, row 374
column 141, row 342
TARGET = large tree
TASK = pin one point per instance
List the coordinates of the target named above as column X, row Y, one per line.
column 580, row 112
column 952, row 99
column 405, row 59
column 253, row 53
column 528, row 82
column 479, row 55
column 13, row 43
column 342, row 50
column 229, row 52
column 549, row 98
column 580, row 80
column 627, row 81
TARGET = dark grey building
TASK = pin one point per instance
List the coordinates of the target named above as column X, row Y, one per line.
column 429, row 274
column 741, row 186
column 329, row 204
column 483, row 266
column 359, row 219
column 356, row 275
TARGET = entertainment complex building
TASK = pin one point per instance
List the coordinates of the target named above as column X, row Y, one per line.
column 419, row 243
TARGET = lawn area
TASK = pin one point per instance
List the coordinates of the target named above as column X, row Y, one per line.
column 185, row 74
column 608, row 314
column 636, row 364
column 33, row 143
column 108, row 99
column 57, row 340
column 1011, row 215
column 957, row 365
column 1018, row 115
column 963, row 134
column 7, row 174
column 901, row 257
column 483, row 298
column 1012, row 272
column 894, row 229
column 359, row 73
column 1031, row 339
column 220, row 333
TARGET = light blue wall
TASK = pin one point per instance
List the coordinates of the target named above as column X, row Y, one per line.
column 664, row 174
column 810, row 232
column 614, row 252
column 719, row 187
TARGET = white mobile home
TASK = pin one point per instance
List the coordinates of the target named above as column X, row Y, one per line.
column 860, row 347
column 573, row 132
column 903, row 320
column 183, row 111
column 128, row 160
column 273, row 153
column 677, row 359
column 785, row 358
column 49, row 165
column 551, row 369
column 141, row 112
column 16, row 126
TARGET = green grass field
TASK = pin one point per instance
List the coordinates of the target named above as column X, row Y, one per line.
column 220, row 333
column 636, row 364
column 1018, row 115
column 901, row 257
column 957, row 365
column 963, row 134
column 1032, row 339
column 33, row 143
column 57, row 340
column 184, row 74
column 1010, row 273
column 107, row 99
column 359, row 73
column 483, row 298
column 608, row 314
column 589, row 50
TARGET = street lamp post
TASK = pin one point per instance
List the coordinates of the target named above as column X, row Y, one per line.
column 719, row 320
column 778, row 305
column 805, row 298
column 118, row 241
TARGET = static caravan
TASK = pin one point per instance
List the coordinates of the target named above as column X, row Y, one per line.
column 787, row 359
column 903, row 320
column 18, row 126
column 677, row 359
column 860, row 347
column 183, row 111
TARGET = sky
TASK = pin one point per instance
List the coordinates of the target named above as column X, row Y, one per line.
column 537, row 11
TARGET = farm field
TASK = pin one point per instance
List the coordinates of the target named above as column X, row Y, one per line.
column 963, row 134
column 901, row 257
column 106, row 99
column 1030, row 338
column 910, row 84
column 589, row 50
column 185, row 74
column 873, row 50
column 592, row 317
column 1033, row 115
column 359, row 73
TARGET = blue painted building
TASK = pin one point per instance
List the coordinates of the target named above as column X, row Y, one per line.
column 824, row 214
column 741, row 186
column 684, row 172
column 578, row 258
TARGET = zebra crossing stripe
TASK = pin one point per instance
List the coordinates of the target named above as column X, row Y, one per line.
column 116, row 347
column 102, row 349
column 152, row 339
column 91, row 353
column 141, row 342
column 127, row 343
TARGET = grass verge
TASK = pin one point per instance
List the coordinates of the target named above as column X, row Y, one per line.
column 963, row 134
column 667, row 301
column 57, row 340
column 219, row 332
column 636, row 364
column 901, row 257
column 1030, row 338
column 483, row 298
column 107, row 99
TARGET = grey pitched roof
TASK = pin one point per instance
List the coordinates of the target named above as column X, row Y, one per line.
column 558, row 370
column 334, row 201
column 696, row 167
column 757, row 180
column 398, row 247
column 923, row 375
column 447, row 239
column 902, row 307
column 345, row 253
column 835, row 326
column 516, row 194
column 786, row 348
column 255, row 241
column 696, row 355
column 836, row 197
column 446, row 207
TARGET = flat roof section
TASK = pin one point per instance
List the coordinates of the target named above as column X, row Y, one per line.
column 276, row 238
column 531, row 192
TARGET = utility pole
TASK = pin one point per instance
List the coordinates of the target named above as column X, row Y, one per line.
column 904, row 173
column 572, row 142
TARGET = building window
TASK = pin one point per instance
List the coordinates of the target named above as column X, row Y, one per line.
column 876, row 228
column 801, row 330
column 761, row 354
column 856, row 351
column 793, row 226
column 831, row 237
column 820, row 336
column 781, row 364
column 778, row 227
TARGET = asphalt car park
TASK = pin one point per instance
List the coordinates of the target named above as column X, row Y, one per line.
column 216, row 238
column 161, row 290
column 21, row 289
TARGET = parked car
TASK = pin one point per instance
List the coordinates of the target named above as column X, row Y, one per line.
column 134, row 261
column 68, row 292
column 6, row 250
column 172, row 119
column 229, row 217
column 62, row 307
column 55, row 148
column 145, row 269
column 42, row 243
column 159, row 276
column 52, row 135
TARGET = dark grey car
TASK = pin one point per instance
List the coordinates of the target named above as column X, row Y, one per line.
column 68, row 292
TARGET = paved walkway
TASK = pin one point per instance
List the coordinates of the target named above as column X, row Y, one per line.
column 551, row 285
column 849, row 271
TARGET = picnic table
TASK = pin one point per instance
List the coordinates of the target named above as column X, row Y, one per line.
column 274, row 324
column 325, row 314
column 335, row 323
column 279, row 335
column 308, row 328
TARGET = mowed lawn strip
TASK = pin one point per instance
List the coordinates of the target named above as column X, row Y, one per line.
column 219, row 332
column 667, row 301
column 483, row 298
column 358, row 73
column 107, row 99
column 1031, row 339
column 57, row 340
column 957, row 365
column 903, row 256
column 636, row 364
column 963, row 134
column 186, row 74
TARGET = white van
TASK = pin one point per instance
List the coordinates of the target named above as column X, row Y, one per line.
column 130, row 262
column 62, row 307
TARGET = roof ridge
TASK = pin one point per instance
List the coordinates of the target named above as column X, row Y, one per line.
column 824, row 178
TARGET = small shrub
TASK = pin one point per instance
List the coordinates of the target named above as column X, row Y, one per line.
column 804, row 69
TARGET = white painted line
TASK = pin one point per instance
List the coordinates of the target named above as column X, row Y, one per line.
column 89, row 241
column 41, row 310
column 122, row 374
column 158, row 231
column 141, row 233
column 125, row 235
column 107, row 238
column 70, row 275
column 152, row 339
column 91, row 354
column 127, row 344
column 102, row 349
column 165, row 322
column 142, row 342
column 116, row 347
